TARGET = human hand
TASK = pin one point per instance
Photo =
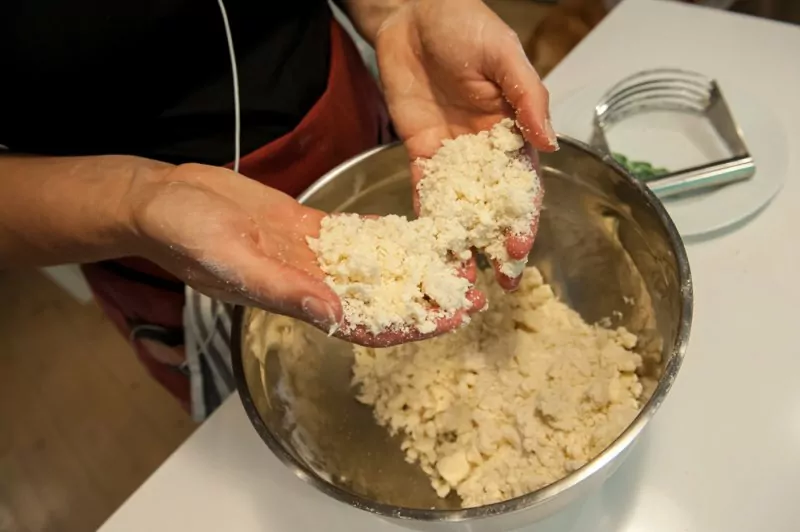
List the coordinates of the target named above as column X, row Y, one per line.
column 236, row 240
column 451, row 67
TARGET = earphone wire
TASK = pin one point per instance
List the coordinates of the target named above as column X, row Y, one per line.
column 237, row 141
column 237, row 128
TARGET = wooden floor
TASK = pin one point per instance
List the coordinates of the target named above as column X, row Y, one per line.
column 81, row 424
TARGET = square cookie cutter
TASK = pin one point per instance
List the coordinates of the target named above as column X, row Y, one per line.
column 671, row 89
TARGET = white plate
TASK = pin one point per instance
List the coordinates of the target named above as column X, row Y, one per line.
column 675, row 141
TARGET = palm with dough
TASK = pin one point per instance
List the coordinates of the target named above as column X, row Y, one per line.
column 451, row 67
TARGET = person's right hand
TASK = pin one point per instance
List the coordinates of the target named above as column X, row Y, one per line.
column 239, row 241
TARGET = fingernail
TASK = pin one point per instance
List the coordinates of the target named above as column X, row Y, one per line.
column 552, row 138
column 320, row 313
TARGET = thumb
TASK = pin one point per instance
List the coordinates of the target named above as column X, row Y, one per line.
column 286, row 290
column 510, row 68
column 281, row 288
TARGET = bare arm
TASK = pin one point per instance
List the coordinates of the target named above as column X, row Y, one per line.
column 68, row 209
column 227, row 236
column 368, row 15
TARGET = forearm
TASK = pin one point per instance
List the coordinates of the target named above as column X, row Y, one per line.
column 368, row 15
column 68, row 209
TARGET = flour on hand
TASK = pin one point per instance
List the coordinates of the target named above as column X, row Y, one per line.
column 487, row 186
column 390, row 273
column 395, row 274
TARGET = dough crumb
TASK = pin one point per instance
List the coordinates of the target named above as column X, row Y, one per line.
column 527, row 394
column 486, row 184
column 394, row 274
column 390, row 273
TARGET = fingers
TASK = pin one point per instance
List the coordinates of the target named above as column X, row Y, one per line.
column 510, row 68
column 509, row 284
column 416, row 177
column 277, row 287
column 297, row 295
column 534, row 157
column 478, row 300
column 360, row 336
column 519, row 246
column 469, row 270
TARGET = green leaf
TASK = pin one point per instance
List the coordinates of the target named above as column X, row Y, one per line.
column 642, row 170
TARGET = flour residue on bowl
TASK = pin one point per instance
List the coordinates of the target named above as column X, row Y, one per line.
column 272, row 334
column 526, row 394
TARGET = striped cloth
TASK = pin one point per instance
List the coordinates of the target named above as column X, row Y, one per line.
column 207, row 323
column 207, row 331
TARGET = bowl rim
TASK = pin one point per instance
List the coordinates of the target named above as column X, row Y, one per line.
column 534, row 498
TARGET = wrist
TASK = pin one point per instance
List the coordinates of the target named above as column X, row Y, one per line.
column 143, row 184
column 369, row 16
column 69, row 209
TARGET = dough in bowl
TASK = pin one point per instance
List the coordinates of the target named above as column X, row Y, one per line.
column 525, row 394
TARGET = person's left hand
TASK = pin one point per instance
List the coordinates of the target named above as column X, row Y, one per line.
column 450, row 67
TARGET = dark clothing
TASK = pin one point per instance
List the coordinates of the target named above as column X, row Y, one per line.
column 153, row 77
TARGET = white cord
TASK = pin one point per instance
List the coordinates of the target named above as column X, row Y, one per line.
column 237, row 128
column 237, row 141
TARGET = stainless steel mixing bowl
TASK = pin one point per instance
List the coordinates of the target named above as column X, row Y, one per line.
column 607, row 247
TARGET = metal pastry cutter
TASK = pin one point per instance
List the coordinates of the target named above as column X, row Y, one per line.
column 669, row 89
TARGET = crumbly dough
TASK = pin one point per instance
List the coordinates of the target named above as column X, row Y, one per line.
column 388, row 271
column 395, row 274
column 525, row 395
column 487, row 186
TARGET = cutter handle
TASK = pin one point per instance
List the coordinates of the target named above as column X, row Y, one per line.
column 704, row 177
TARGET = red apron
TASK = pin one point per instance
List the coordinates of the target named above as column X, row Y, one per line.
column 146, row 303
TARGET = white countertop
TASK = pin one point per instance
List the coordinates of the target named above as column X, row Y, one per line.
column 723, row 453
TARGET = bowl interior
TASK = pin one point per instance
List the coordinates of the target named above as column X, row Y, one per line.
column 603, row 244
